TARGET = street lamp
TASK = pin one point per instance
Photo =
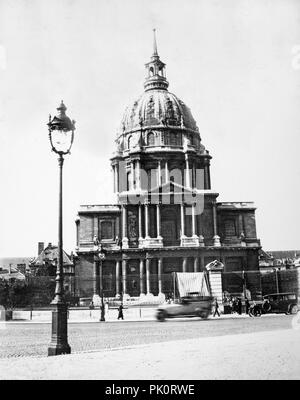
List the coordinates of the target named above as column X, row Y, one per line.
column 61, row 135
column 100, row 256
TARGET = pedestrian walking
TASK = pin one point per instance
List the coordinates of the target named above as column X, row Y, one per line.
column 247, row 305
column 120, row 311
column 234, row 305
column 216, row 308
column 239, row 306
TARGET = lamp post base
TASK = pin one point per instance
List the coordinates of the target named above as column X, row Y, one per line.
column 59, row 339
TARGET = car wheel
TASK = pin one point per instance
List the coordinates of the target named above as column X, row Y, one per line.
column 161, row 316
column 203, row 314
column 293, row 309
column 266, row 307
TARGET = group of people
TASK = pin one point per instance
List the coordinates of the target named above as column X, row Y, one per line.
column 236, row 305
column 106, row 307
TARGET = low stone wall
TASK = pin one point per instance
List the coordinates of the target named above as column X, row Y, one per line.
column 132, row 313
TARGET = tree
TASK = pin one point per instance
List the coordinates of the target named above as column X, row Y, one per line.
column 14, row 293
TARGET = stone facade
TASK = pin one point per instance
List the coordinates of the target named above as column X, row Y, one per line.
column 167, row 218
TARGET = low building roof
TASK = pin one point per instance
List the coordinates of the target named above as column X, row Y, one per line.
column 50, row 254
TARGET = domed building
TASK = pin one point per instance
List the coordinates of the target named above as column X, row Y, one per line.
column 167, row 218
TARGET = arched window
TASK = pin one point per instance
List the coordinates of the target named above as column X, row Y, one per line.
column 151, row 139
column 129, row 142
column 151, row 70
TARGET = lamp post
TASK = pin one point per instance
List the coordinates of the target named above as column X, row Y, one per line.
column 100, row 256
column 61, row 135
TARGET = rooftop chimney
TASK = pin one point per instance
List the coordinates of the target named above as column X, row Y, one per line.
column 40, row 247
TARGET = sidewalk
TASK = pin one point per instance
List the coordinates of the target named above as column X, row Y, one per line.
column 92, row 316
column 260, row 355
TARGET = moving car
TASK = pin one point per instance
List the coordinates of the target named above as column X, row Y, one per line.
column 281, row 303
column 188, row 306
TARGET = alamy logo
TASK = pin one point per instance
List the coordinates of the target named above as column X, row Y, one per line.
column 181, row 187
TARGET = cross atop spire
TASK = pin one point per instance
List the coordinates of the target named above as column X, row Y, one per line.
column 156, row 78
column 154, row 43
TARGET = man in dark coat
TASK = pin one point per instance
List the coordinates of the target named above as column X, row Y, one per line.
column 234, row 305
column 120, row 311
column 216, row 307
column 239, row 306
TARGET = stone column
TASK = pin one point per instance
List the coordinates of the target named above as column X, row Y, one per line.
column 208, row 176
column 117, row 177
column 124, row 228
column 114, row 173
column 146, row 221
column 124, row 276
column 117, row 278
column 142, row 290
column 196, row 264
column 158, row 221
column 202, row 262
column 187, row 172
column 194, row 176
column 184, row 264
column 166, row 171
column 159, row 173
column 77, row 221
column 140, row 226
column 148, row 287
column 216, row 238
column 206, row 183
column 138, row 175
column 182, row 219
column 193, row 220
column 132, row 174
column 159, row 270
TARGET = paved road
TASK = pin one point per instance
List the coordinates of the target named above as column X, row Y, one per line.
column 25, row 339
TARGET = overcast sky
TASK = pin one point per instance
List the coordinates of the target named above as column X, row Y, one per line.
column 235, row 63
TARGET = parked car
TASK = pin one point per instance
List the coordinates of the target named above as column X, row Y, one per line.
column 188, row 306
column 281, row 303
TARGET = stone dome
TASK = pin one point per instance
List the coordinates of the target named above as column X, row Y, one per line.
column 158, row 107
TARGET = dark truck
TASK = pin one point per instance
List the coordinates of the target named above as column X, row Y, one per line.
column 188, row 306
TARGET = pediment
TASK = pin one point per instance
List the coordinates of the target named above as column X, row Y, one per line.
column 170, row 187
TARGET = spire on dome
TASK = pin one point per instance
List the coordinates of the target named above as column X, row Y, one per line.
column 154, row 43
column 156, row 78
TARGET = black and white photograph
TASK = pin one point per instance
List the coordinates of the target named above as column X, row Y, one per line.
column 149, row 192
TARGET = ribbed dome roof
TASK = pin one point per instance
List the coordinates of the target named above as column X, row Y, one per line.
column 158, row 107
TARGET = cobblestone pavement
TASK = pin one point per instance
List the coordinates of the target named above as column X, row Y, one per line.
column 24, row 339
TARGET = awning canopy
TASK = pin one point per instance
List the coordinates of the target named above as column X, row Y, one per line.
column 192, row 283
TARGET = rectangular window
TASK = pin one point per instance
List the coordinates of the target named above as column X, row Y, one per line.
column 107, row 230
column 229, row 228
